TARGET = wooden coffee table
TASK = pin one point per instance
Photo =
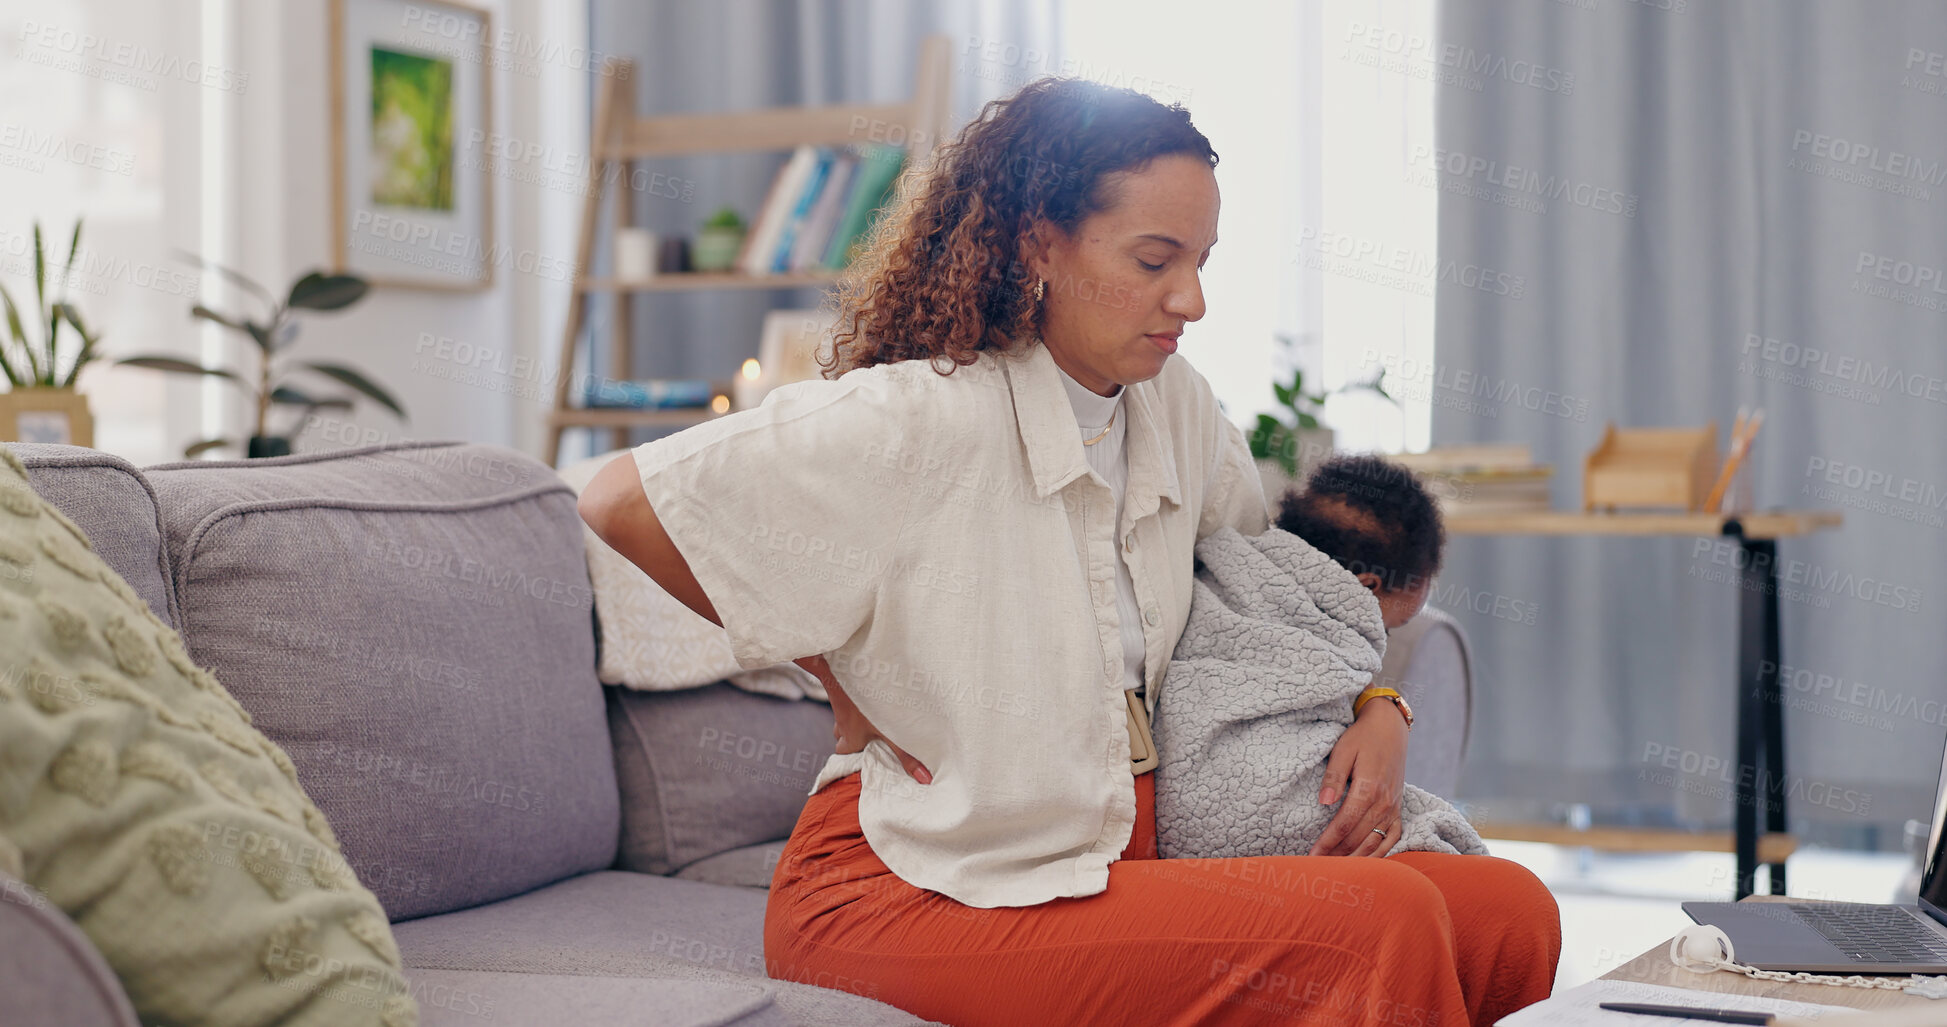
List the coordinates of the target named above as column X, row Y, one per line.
column 1655, row 967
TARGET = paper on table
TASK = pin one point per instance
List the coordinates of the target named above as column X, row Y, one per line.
column 1576, row 1007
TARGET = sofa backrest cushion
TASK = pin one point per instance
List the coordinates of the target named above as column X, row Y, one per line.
column 707, row 770
column 106, row 497
column 413, row 623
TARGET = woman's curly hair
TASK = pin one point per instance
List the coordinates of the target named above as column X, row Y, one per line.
column 940, row 275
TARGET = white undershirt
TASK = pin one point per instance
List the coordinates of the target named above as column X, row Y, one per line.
column 1106, row 458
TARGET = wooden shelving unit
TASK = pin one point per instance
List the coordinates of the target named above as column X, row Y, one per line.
column 620, row 140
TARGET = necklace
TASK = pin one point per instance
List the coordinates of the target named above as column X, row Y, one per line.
column 1105, row 428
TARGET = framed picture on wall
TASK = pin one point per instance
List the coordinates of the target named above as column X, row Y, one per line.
column 412, row 202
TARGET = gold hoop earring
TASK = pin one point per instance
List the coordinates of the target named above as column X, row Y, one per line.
column 1040, row 289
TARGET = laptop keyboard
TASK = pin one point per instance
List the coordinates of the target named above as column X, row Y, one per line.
column 1877, row 934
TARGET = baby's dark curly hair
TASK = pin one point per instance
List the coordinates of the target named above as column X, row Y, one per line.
column 1372, row 516
column 941, row 275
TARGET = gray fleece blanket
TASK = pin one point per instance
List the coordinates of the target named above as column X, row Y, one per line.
column 1279, row 642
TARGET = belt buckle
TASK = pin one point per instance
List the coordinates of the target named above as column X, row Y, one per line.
column 1142, row 744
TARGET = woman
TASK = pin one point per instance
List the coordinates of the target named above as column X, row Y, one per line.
column 979, row 535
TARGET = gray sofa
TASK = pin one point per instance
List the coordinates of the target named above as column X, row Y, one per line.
column 413, row 624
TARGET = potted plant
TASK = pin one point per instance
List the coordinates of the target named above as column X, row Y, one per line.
column 718, row 242
column 1287, row 444
column 273, row 336
column 42, row 404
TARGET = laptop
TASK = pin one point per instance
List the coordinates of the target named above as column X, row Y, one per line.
column 1846, row 937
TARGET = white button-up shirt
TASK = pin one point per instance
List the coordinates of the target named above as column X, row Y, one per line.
column 943, row 542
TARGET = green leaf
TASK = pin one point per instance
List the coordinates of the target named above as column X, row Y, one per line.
column 1307, row 422
column 177, row 365
column 74, row 248
column 7, row 366
column 235, row 276
column 66, row 312
column 207, row 314
column 1284, row 395
column 259, row 333
column 19, row 335
column 41, row 309
column 40, row 268
column 358, row 381
column 14, row 326
column 12, row 320
column 295, row 397
column 317, row 291
column 199, row 448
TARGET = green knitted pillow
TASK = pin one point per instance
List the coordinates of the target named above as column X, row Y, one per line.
column 135, row 794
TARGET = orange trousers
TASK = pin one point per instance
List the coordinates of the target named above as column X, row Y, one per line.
column 1413, row 940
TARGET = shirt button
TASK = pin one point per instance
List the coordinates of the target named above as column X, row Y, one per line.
column 1129, row 542
column 1150, row 617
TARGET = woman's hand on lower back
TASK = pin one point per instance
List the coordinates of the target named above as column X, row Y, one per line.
column 850, row 728
column 1367, row 766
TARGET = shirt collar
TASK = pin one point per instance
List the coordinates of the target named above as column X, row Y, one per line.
column 1092, row 412
column 1047, row 424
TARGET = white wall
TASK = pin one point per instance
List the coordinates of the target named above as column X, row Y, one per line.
column 410, row 340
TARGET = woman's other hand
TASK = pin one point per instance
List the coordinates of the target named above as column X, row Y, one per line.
column 1372, row 753
column 852, row 730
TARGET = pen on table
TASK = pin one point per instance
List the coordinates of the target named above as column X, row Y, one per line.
column 1688, row 1012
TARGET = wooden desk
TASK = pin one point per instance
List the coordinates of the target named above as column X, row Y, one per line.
column 1760, row 709
column 1655, row 967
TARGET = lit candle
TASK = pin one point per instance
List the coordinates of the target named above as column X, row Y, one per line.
column 748, row 389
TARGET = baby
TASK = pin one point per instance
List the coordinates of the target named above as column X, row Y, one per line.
column 1285, row 631
column 1375, row 520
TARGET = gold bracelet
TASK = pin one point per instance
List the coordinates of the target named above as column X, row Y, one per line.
column 1380, row 692
column 1369, row 695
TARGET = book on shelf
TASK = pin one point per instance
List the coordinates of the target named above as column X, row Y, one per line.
column 760, row 243
column 871, row 188
column 816, row 233
column 1469, row 481
column 648, row 394
column 814, row 184
column 821, row 202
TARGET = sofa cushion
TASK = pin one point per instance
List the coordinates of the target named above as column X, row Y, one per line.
column 620, row 924
column 709, row 770
column 650, row 640
column 468, row 998
column 49, row 973
column 413, row 624
column 113, row 504
column 749, row 867
column 136, row 796
column 608, row 923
